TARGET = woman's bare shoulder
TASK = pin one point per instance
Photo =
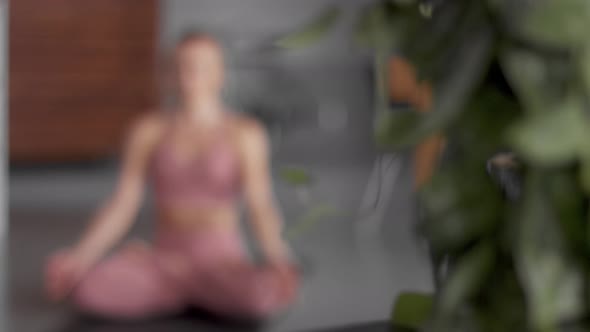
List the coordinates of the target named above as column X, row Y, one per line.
column 247, row 125
column 251, row 135
column 148, row 127
column 153, row 119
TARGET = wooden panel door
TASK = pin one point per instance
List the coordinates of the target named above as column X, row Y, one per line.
column 79, row 71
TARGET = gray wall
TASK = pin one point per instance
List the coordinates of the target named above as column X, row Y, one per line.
column 302, row 88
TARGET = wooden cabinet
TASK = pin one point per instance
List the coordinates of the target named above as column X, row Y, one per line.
column 79, row 71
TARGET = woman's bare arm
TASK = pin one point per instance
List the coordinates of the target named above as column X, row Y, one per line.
column 256, row 174
column 404, row 87
column 426, row 159
column 117, row 215
column 428, row 152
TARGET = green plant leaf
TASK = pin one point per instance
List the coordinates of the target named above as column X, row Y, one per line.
column 403, row 2
column 482, row 129
column 403, row 130
column 583, row 59
column 311, row 218
column 373, row 27
column 412, row 309
column 585, row 173
column 383, row 25
column 567, row 197
column 467, row 277
column 296, row 176
column 558, row 22
column 432, row 43
column 311, row 33
column 552, row 281
column 391, row 125
column 528, row 74
column 504, row 306
column 458, row 212
column 552, row 137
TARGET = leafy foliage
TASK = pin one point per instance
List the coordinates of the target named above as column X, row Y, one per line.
column 411, row 309
column 507, row 74
column 300, row 179
column 311, row 33
column 296, row 176
column 311, row 218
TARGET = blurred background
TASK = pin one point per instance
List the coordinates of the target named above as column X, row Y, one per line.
column 81, row 70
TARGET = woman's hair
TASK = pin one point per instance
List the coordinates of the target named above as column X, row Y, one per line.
column 167, row 68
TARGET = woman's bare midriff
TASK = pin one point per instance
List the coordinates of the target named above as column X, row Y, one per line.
column 197, row 218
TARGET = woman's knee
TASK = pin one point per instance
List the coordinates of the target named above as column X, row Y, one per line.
column 110, row 292
column 98, row 301
column 259, row 307
column 92, row 297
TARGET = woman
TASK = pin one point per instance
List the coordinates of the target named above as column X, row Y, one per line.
column 200, row 160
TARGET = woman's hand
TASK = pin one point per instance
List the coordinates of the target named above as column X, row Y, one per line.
column 289, row 278
column 277, row 250
column 65, row 268
column 63, row 271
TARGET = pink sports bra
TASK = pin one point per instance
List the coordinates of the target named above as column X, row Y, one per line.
column 211, row 178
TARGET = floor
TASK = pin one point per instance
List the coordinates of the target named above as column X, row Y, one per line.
column 349, row 282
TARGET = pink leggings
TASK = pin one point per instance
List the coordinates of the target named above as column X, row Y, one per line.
column 209, row 270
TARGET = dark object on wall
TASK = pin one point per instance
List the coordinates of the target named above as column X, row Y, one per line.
column 275, row 96
column 506, row 171
column 79, row 72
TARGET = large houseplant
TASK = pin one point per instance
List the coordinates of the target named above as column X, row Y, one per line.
column 508, row 75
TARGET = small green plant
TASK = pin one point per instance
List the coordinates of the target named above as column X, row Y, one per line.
column 507, row 75
column 301, row 181
column 296, row 176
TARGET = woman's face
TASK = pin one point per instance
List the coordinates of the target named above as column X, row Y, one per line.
column 200, row 68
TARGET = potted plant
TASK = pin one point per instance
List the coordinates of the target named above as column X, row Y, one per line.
column 507, row 75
